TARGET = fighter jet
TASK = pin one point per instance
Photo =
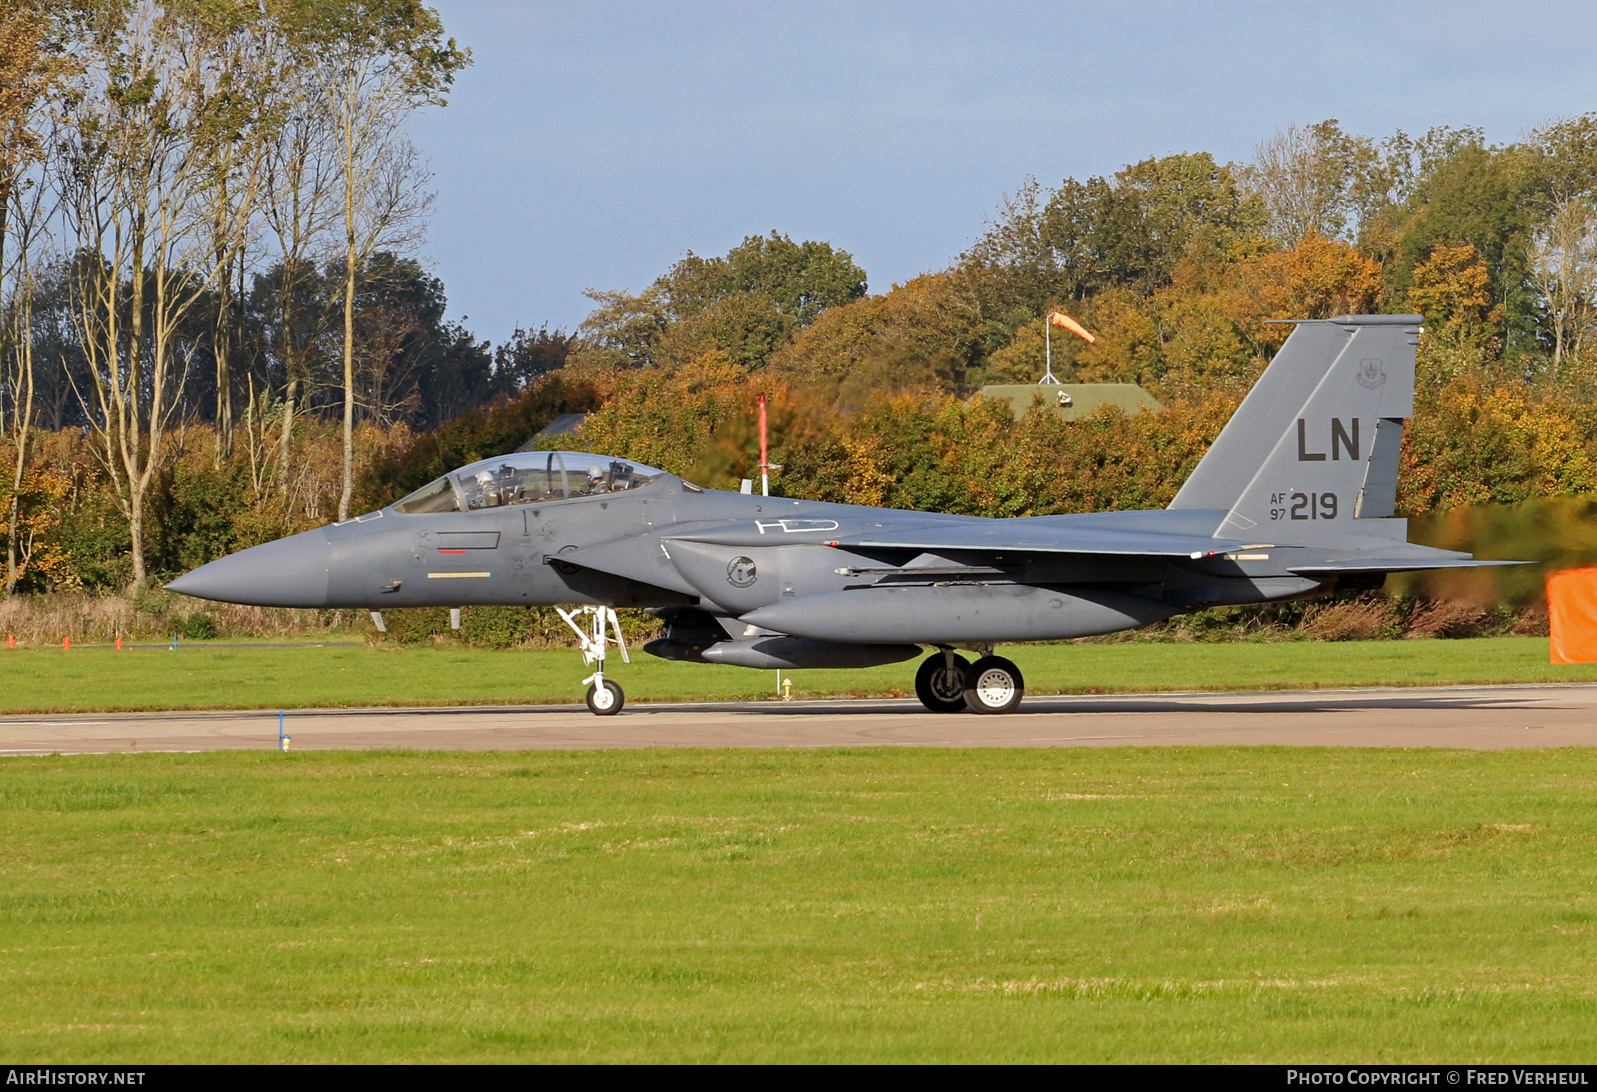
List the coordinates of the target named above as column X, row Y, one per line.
column 1294, row 499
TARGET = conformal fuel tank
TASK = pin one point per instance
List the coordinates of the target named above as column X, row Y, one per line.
column 777, row 651
column 958, row 614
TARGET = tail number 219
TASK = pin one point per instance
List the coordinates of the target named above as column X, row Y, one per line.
column 1303, row 506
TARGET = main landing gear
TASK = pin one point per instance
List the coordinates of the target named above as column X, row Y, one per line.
column 594, row 637
column 940, row 682
column 948, row 683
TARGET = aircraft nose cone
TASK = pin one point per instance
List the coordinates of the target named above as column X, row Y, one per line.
column 291, row 572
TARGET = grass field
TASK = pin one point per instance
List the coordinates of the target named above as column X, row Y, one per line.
column 1053, row 905
column 200, row 676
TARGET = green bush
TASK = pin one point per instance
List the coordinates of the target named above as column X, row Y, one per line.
column 503, row 627
column 415, row 625
column 500, row 627
column 198, row 627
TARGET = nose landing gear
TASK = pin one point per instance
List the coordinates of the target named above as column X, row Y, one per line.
column 604, row 697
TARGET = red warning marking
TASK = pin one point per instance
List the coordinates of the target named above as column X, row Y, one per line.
column 451, row 551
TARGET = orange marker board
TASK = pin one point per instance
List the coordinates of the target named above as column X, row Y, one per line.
column 1572, row 614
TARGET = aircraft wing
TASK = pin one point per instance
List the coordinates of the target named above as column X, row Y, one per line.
column 1017, row 537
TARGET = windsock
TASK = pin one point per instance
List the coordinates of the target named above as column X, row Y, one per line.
column 1065, row 322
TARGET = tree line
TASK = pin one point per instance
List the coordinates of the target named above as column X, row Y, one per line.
column 1178, row 264
column 216, row 330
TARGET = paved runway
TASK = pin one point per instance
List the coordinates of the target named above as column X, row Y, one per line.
column 1471, row 717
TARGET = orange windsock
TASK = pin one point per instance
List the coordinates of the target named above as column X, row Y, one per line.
column 1065, row 322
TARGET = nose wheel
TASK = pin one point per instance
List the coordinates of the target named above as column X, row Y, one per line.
column 594, row 637
column 605, row 699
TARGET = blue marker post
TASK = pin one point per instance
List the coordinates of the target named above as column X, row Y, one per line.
column 174, row 642
column 282, row 740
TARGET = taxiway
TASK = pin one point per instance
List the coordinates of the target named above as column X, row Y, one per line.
column 1466, row 717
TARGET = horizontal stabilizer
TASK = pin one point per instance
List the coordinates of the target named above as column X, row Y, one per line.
column 1392, row 565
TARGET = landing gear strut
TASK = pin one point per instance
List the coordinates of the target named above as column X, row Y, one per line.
column 940, row 682
column 604, row 697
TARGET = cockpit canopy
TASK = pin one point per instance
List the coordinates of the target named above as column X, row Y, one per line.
column 527, row 477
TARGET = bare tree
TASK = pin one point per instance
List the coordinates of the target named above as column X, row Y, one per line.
column 384, row 209
column 1563, row 265
column 380, row 60
column 133, row 174
column 237, row 63
column 29, row 71
column 1316, row 179
column 300, row 209
column 26, row 222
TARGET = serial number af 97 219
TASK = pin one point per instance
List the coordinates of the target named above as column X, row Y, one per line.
column 1303, row 506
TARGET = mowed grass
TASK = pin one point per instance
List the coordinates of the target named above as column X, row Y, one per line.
column 200, row 676
column 895, row 905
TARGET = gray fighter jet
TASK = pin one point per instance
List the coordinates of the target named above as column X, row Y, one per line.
column 1294, row 499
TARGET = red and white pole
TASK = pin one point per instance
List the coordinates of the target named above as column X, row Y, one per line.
column 765, row 454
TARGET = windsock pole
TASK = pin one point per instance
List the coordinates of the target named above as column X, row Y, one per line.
column 766, row 466
column 1064, row 322
column 765, row 454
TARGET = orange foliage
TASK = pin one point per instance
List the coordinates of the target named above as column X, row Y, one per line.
column 1453, row 286
column 1318, row 278
column 1470, row 443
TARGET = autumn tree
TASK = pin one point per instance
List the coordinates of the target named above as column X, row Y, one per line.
column 1315, row 279
column 923, row 335
column 1452, row 287
column 745, row 305
column 529, row 355
column 1128, row 232
column 1477, row 195
column 1131, row 230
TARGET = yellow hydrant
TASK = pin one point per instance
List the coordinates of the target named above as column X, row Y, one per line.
column 787, row 689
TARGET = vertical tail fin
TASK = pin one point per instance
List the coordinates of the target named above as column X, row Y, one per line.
column 1245, row 442
column 1314, row 446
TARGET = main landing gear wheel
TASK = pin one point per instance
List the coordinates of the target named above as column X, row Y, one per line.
column 993, row 685
column 940, row 682
column 605, row 699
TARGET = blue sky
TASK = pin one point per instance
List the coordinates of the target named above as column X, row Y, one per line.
column 592, row 144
